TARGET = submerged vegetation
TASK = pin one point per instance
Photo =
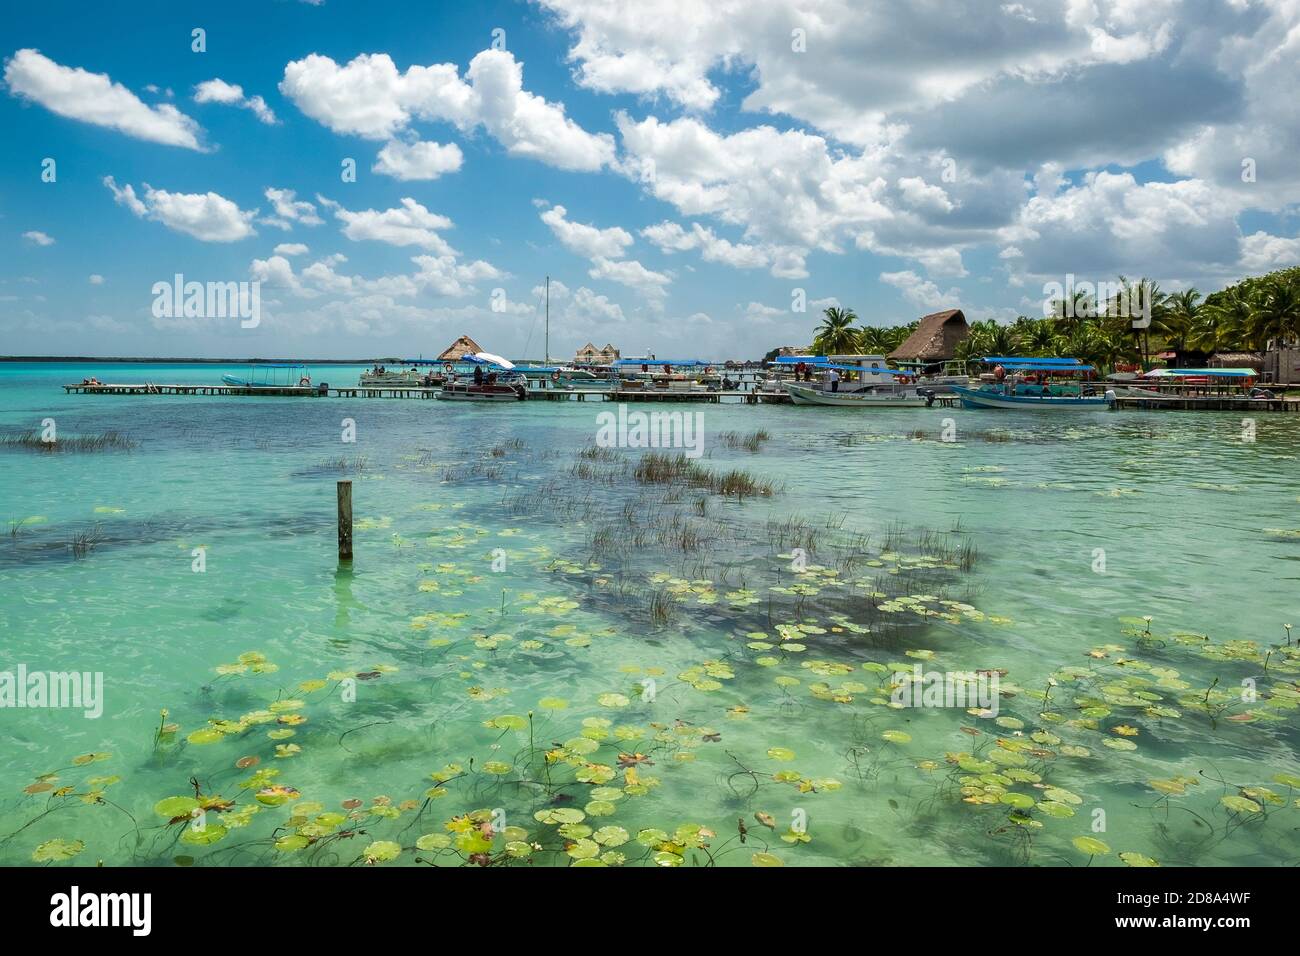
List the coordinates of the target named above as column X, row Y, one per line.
column 33, row 441
column 680, row 668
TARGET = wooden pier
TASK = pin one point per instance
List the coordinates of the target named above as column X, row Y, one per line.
column 1207, row 403
column 410, row 391
column 281, row 391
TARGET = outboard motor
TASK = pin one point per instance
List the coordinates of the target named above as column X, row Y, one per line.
column 929, row 396
column 323, row 389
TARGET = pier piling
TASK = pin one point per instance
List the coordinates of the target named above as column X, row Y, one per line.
column 345, row 520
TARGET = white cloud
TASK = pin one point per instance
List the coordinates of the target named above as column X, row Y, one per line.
column 96, row 279
column 863, row 61
column 219, row 91
column 206, row 216
column 632, row 274
column 670, row 237
column 418, row 160
column 369, row 97
column 411, row 225
column 1111, row 224
column 438, row 275
column 291, row 249
column 95, row 98
column 582, row 311
column 921, row 292
column 587, row 241
column 290, row 209
column 38, row 238
column 1261, row 252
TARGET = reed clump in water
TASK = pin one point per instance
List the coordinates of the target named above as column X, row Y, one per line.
column 32, row 441
column 752, row 442
column 656, row 468
column 344, row 464
column 83, row 542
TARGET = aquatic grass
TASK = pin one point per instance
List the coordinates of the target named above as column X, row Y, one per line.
column 85, row 541
column 752, row 442
column 666, row 469
column 344, row 464
column 105, row 441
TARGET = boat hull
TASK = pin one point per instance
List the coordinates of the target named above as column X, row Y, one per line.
column 978, row 398
column 806, row 395
column 480, row 393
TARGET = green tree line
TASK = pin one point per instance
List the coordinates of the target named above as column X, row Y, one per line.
column 1247, row 316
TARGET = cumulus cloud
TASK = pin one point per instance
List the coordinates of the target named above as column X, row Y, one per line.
column 370, row 97
column 921, row 292
column 632, row 274
column 208, row 216
column 670, row 237
column 94, row 98
column 410, row 225
column 219, row 91
column 418, row 160
column 96, row 279
column 38, row 238
column 436, row 275
column 290, row 209
column 291, row 249
column 587, row 241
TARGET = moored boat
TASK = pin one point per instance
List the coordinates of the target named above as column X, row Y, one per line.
column 1025, row 384
column 272, row 375
column 503, row 385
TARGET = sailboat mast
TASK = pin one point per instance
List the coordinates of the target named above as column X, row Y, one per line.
column 548, row 321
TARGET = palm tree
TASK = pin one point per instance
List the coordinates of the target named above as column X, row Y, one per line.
column 1176, row 319
column 1039, row 338
column 1224, row 322
column 836, row 335
column 1147, row 296
column 1276, row 314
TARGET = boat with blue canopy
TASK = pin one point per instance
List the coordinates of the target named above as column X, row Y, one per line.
column 872, row 385
column 272, row 375
column 1034, row 384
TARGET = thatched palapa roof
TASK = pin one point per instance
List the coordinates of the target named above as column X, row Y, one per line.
column 459, row 349
column 935, row 339
column 1236, row 360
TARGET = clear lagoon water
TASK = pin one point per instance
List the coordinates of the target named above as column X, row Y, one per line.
column 537, row 659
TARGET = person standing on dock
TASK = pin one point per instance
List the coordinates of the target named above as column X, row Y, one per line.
column 835, row 380
column 478, row 374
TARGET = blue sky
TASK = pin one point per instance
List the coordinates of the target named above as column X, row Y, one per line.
column 683, row 174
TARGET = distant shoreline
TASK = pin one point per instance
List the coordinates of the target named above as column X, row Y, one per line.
column 140, row 360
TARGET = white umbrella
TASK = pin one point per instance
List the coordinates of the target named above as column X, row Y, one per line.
column 494, row 360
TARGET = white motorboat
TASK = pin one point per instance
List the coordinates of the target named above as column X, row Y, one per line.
column 871, row 396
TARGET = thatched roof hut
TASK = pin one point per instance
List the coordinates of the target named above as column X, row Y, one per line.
column 1236, row 360
column 935, row 339
column 459, row 349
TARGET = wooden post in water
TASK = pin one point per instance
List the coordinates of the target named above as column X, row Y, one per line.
column 345, row 520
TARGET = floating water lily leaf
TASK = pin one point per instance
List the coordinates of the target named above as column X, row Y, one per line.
column 204, row 835
column 173, row 807
column 433, row 841
column 1137, row 859
column 765, row 859
column 381, row 851
column 1240, row 804
column 780, row 753
column 57, row 850
column 1090, row 845
column 896, row 737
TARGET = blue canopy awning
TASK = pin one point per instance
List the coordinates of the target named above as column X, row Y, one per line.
column 1010, row 360
column 686, row 363
column 1213, row 372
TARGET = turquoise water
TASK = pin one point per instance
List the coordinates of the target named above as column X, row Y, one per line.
column 521, row 616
